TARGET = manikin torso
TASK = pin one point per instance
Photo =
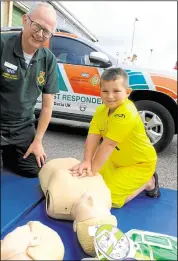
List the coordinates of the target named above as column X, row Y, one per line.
column 62, row 190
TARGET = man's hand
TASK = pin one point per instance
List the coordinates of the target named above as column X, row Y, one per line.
column 37, row 149
column 82, row 169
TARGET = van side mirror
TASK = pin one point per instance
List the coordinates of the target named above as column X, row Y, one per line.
column 101, row 58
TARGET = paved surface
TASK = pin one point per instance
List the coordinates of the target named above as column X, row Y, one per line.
column 67, row 138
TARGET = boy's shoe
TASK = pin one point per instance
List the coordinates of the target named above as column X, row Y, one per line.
column 154, row 193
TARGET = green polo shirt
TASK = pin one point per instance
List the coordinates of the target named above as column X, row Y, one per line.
column 20, row 84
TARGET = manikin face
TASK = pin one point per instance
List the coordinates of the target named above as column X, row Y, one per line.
column 90, row 212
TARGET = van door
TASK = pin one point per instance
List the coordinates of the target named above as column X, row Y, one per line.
column 79, row 79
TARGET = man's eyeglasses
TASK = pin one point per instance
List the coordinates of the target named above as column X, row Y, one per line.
column 37, row 27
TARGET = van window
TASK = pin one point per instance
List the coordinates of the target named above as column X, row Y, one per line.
column 71, row 51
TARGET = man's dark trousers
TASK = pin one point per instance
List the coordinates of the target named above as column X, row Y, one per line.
column 14, row 143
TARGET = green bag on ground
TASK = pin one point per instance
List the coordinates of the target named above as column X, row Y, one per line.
column 153, row 245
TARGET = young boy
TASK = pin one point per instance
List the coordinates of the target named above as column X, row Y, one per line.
column 125, row 158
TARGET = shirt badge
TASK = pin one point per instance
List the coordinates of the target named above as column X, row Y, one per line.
column 11, row 66
column 41, row 78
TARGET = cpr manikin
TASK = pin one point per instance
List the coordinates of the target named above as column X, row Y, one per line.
column 86, row 201
column 33, row 241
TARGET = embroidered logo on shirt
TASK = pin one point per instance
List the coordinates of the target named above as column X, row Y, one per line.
column 120, row 115
column 41, row 79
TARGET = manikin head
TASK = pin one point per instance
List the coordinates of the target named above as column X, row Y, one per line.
column 90, row 211
column 33, row 241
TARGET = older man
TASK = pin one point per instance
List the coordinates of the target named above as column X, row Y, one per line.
column 27, row 70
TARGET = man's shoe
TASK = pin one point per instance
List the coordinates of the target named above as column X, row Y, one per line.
column 154, row 193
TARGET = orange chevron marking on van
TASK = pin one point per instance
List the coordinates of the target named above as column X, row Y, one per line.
column 81, row 79
column 166, row 91
column 169, row 84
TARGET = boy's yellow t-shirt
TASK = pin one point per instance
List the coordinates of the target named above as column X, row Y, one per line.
column 124, row 126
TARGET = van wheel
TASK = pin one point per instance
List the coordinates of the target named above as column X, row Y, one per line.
column 158, row 123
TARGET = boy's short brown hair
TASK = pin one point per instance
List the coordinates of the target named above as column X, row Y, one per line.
column 113, row 74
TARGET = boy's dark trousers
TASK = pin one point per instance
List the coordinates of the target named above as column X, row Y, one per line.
column 14, row 143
